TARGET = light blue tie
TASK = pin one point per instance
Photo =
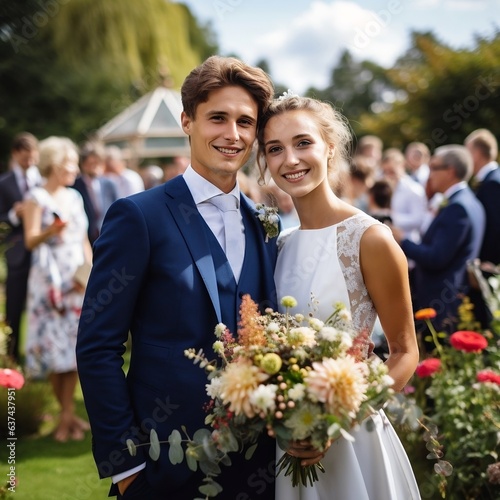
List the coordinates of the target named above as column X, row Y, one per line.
column 234, row 237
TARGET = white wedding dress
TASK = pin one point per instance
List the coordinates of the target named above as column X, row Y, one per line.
column 324, row 264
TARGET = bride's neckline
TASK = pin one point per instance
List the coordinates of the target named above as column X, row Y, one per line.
column 299, row 229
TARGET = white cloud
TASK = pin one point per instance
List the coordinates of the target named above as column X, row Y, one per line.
column 305, row 51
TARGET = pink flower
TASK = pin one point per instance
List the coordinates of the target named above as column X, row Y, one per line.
column 468, row 341
column 11, row 379
column 488, row 376
column 428, row 367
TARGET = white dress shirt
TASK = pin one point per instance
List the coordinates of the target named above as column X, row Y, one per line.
column 408, row 207
column 201, row 191
column 485, row 170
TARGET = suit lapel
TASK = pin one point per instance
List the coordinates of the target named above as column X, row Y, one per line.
column 15, row 187
column 190, row 224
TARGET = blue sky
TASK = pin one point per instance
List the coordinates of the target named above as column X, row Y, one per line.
column 302, row 39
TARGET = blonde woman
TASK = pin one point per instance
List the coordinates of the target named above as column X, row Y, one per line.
column 55, row 229
column 340, row 254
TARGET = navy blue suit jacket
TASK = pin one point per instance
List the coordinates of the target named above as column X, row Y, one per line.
column 154, row 275
column 108, row 196
column 16, row 254
column 454, row 237
column 488, row 194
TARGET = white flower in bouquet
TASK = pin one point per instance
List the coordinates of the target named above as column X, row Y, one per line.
column 316, row 324
column 303, row 421
column 331, row 334
column 297, row 392
column 264, row 398
column 302, row 336
column 214, row 387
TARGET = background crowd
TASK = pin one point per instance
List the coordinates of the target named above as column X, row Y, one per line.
column 442, row 207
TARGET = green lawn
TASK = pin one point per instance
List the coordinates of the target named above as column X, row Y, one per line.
column 48, row 470
column 60, row 471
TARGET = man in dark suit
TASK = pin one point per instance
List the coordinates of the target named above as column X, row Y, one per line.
column 163, row 270
column 483, row 147
column 14, row 184
column 454, row 237
column 98, row 192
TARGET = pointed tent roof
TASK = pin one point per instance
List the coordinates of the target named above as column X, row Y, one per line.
column 149, row 128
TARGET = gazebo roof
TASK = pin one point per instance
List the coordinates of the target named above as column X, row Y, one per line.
column 149, row 128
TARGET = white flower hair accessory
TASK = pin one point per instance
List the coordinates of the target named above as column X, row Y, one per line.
column 269, row 218
column 287, row 95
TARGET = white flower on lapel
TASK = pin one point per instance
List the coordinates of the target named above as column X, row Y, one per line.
column 269, row 218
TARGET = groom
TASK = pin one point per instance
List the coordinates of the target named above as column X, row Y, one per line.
column 164, row 271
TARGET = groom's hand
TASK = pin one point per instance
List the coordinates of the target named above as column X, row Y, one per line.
column 309, row 454
column 125, row 483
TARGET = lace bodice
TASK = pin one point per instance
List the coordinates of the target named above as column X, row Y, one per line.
column 324, row 264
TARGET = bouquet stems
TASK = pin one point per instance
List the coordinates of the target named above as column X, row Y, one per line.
column 300, row 474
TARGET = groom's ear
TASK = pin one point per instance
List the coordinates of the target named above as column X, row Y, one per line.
column 186, row 123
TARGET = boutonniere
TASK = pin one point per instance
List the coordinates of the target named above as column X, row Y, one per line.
column 444, row 203
column 270, row 220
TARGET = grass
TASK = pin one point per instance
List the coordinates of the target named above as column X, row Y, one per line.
column 63, row 471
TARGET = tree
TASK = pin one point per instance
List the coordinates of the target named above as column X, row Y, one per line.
column 355, row 87
column 68, row 71
column 444, row 93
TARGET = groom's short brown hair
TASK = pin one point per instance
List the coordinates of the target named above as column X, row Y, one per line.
column 218, row 72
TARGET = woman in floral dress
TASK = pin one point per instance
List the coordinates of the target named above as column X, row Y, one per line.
column 55, row 227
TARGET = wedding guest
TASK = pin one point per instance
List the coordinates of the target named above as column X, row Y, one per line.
column 371, row 147
column 55, row 230
column 152, row 176
column 14, row 185
column 360, row 179
column 177, row 166
column 97, row 191
column 173, row 269
column 408, row 203
column 483, row 146
column 359, row 264
column 379, row 200
column 454, row 237
column 126, row 180
column 417, row 156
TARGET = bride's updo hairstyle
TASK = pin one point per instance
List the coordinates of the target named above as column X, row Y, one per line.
column 333, row 126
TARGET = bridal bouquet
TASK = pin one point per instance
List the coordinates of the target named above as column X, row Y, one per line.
column 294, row 377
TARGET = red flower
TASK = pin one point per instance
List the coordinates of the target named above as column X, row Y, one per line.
column 488, row 376
column 428, row 367
column 468, row 341
column 11, row 379
column 427, row 313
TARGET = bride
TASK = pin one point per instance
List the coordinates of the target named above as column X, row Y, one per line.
column 340, row 254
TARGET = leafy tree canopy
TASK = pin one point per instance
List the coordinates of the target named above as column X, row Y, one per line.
column 441, row 94
column 66, row 67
